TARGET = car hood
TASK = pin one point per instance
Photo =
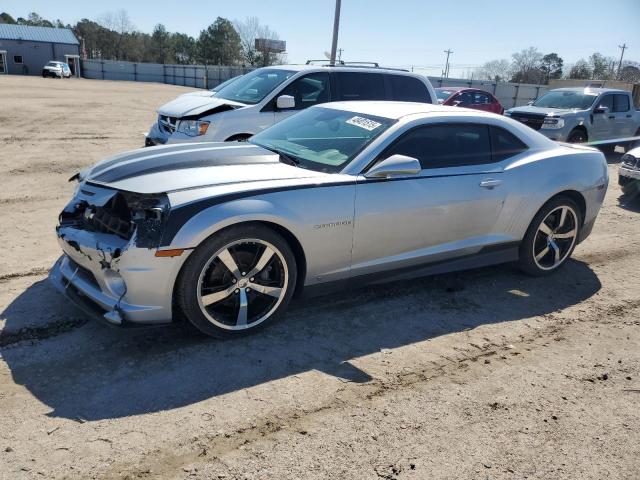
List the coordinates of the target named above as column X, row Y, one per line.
column 199, row 93
column 539, row 110
column 190, row 105
column 51, row 67
column 192, row 165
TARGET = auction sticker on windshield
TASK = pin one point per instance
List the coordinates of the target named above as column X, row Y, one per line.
column 363, row 123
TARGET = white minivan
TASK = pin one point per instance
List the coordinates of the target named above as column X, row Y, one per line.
column 267, row 95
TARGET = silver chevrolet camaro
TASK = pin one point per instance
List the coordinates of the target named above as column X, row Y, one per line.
column 338, row 195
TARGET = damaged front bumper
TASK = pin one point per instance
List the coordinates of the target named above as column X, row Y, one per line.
column 110, row 276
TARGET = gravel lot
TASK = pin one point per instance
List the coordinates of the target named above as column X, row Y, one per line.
column 484, row 375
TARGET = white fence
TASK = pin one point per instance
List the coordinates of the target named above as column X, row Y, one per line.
column 208, row 76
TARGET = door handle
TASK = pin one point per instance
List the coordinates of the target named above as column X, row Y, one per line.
column 490, row 183
column 629, row 116
column 612, row 116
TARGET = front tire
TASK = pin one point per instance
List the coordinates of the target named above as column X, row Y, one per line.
column 237, row 281
column 577, row 135
column 551, row 237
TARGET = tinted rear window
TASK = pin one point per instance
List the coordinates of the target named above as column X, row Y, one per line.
column 359, row 86
column 505, row 144
column 621, row 103
column 408, row 89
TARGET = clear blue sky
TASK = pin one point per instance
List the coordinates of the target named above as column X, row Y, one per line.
column 397, row 33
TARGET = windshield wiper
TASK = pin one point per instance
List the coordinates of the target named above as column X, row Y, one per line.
column 288, row 159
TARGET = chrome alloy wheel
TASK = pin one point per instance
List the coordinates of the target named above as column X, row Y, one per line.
column 242, row 284
column 555, row 238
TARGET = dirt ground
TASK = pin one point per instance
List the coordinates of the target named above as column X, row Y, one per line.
column 484, row 375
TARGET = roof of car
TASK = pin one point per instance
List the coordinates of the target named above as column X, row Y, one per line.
column 591, row 90
column 348, row 68
column 395, row 110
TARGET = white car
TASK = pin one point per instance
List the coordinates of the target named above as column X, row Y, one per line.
column 56, row 69
column 268, row 95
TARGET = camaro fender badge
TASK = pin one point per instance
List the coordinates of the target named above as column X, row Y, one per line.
column 332, row 224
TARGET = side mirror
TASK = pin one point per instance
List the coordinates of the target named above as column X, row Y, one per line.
column 393, row 166
column 601, row 109
column 285, row 102
column 530, row 102
column 456, row 103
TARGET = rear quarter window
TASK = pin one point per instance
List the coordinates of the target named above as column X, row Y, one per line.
column 408, row 89
column 504, row 144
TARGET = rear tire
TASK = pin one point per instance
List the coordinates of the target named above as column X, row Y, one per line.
column 237, row 281
column 577, row 135
column 551, row 237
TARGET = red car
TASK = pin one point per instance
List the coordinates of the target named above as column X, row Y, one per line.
column 469, row 98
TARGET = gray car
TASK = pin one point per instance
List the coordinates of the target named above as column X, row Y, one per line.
column 338, row 195
column 578, row 115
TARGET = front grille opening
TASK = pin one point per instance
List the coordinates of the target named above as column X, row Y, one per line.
column 113, row 218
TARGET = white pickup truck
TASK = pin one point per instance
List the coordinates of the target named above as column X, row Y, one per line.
column 578, row 115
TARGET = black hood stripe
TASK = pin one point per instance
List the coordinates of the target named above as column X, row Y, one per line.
column 147, row 157
column 168, row 164
column 181, row 215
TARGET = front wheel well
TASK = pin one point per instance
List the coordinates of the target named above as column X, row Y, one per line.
column 239, row 137
column 291, row 239
column 581, row 128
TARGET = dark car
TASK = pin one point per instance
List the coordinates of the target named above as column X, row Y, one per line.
column 469, row 98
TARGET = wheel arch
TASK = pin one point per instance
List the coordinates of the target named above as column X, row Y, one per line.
column 290, row 238
column 574, row 195
column 239, row 137
column 581, row 128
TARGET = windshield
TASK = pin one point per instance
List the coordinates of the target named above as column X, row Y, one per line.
column 54, row 64
column 322, row 139
column 444, row 93
column 254, row 86
column 219, row 87
column 566, row 100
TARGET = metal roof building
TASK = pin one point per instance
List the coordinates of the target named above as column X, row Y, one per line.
column 24, row 49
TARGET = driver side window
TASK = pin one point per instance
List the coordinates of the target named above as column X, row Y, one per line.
column 448, row 145
column 309, row 90
column 606, row 101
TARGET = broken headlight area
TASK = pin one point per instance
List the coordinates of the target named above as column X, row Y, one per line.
column 127, row 215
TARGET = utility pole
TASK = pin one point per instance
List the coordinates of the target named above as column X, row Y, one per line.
column 623, row 47
column 336, row 26
column 446, row 67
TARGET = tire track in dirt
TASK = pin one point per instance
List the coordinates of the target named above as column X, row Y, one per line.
column 164, row 463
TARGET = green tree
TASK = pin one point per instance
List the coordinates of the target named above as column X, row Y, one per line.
column 601, row 66
column 580, row 70
column 219, row 44
column 34, row 20
column 160, row 44
column 6, row 18
column 551, row 66
column 183, row 48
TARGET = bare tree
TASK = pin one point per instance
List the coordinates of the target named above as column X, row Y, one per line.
column 494, row 70
column 120, row 23
column 249, row 30
column 526, row 66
